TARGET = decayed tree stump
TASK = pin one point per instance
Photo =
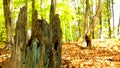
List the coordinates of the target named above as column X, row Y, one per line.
column 56, row 42
column 19, row 40
column 43, row 50
column 44, row 47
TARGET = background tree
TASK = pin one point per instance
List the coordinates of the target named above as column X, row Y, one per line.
column 109, row 14
column 118, row 31
column 100, row 25
column 8, row 22
column 94, row 21
column 86, row 19
column 113, row 17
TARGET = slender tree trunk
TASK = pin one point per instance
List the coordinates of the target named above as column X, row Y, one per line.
column 8, row 22
column 108, row 9
column 33, row 16
column 100, row 24
column 96, row 3
column 64, row 31
column 88, row 35
column 113, row 19
column 109, row 28
column 79, row 28
column 86, row 16
column 93, row 34
column 118, row 31
column 52, row 15
column 52, row 10
column 71, row 38
column 100, row 36
column 8, row 26
column 86, row 21
column 78, row 21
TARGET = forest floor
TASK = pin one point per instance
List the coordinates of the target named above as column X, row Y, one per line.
column 103, row 54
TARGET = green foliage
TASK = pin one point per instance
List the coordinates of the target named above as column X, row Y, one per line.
column 69, row 20
column 71, row 15
column 2, row 23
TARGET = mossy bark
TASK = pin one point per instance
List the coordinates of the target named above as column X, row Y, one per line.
column 44, row 48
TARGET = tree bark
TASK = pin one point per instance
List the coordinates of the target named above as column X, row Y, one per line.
column 108, row 9
column 86, row 16
column 44, row 48
column 8, row 26
column 20, row 40
column 8, row 22
column 55, row 56
column 94, row 21
column 52, row 10
column 56, row 47
column 118, row 25
column 101, row 23
column 113, row 18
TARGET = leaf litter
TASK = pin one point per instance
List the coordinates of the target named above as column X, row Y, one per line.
column 102, row 55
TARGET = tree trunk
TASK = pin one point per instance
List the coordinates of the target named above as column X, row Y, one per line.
column 56, row 47
column 52, row 10
column 17, row 50
column 88, row 35
column 8, row 22
column 55, row 37
column 70, row 26
column 118, row 25
column 113, row 18
column 8, row 26
column 86, row 17
column 20, row 40
column 33, row 16
column 100, row 24
column 108, row 9
column 78, row 21
column 118, row 31
column 44, row 48
column 100, row 33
